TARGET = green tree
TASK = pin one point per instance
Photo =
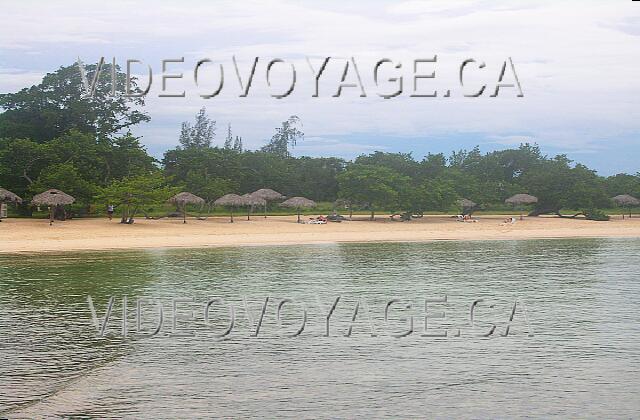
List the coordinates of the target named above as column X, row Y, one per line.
column 65, row 177
column 374, row 186
column 228, row 141
column 58, row 104
column 286, row 136
column 623, row 184
column 200, row 135
column 132, row 194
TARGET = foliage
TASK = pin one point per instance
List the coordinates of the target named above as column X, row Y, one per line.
column 130, row 194
column 375, row 187
column 597, row 215
column 286, row 136
column 65, row 177
column 201, row 134
column 53, row 137
column 55, row 106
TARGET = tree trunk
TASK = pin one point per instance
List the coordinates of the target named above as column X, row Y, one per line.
column 544, row 210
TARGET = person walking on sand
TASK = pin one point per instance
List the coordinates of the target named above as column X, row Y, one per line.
column 110, row 211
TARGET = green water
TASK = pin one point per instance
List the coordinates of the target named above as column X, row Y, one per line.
column 572, row 347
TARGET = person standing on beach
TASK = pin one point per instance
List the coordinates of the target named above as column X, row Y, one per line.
column 110, row 211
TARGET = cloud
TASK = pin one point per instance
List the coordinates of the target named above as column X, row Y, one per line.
column 577, row 62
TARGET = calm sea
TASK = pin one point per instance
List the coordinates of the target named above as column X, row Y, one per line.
column 534, row 328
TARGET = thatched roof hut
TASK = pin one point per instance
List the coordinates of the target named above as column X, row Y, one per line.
column 466, row 205
column 267, row 194
column 184, row 198
column 298, row 203
column 52, row 198
column 7, row 196
column 250, row 200
column 230, row 200
column 521, row 199
column 626, row 200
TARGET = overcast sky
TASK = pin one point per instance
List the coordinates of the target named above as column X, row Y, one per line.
column 578, row 63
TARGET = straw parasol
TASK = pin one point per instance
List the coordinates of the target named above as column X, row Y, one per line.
column 7, row 196
column 184, row 198
column 626, row 200
column 250, row 200
column 521, row 200
column 466, row 204
column 52, row 198
column 298, row 203
column 230, row 200
column 267, row 195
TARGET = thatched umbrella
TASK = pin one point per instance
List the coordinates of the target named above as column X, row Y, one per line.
column 52, row 198
column 7, row 196
column 267, row 195
column 521, row 200
column 626, row 200
column 230, row 200
column 250, row 200
column 298, row 203
column 184, row 198
column 466, row 204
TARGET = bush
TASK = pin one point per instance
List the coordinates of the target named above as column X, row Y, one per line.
column 597, row 215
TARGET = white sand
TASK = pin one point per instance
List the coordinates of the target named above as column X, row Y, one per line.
column 30, row 235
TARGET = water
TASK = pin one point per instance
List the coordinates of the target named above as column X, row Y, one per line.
column 572, row 349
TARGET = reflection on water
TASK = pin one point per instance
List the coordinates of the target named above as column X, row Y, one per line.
column 578, row 298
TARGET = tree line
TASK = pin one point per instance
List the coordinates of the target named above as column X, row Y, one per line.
column 53, row 137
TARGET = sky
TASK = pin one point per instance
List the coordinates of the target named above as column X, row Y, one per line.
column 577, row 62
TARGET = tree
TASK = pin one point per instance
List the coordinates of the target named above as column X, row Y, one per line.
column 200, row 135
column 314, row 178
column 402, row 163
column 228, row 141
column 21, row 160
column 125, row 157
column 237, row 144
column 57, row 105
column 130, row 194
column 286, row 136
column 65, row 177
column 623, row 184
column 374, row 186
column 209, row 188
column 557, row 185
column 434, row 195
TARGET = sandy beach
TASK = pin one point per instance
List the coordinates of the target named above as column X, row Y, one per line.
column 30, row 235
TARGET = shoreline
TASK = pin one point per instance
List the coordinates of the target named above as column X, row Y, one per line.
column 34, row 236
